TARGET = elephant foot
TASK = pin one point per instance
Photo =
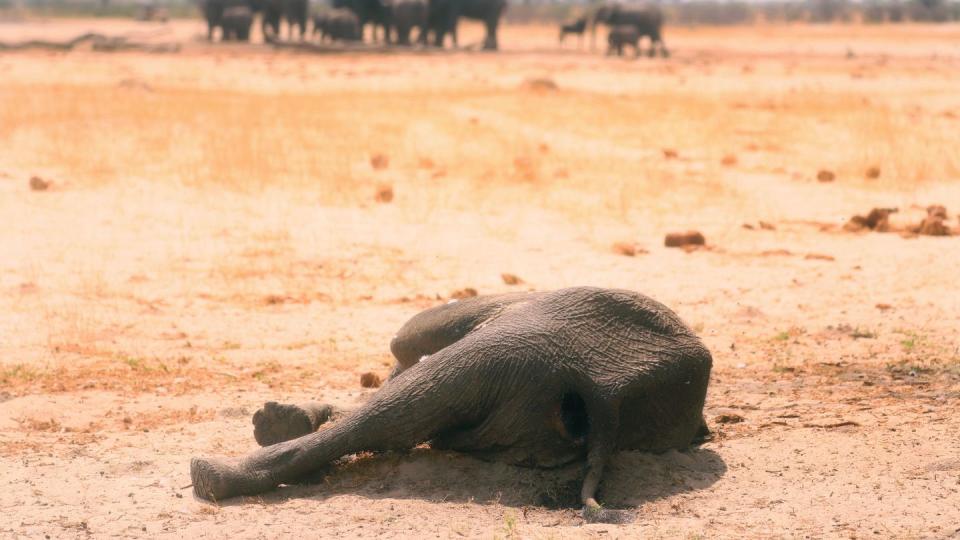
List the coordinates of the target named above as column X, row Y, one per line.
column 276, row 422
column 594, row 513
column 215, row 480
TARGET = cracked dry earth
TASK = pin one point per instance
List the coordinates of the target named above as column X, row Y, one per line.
column 172, row 279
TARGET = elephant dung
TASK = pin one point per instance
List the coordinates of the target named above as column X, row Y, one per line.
column 682, row 239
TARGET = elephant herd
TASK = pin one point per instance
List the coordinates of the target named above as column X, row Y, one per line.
column 434, row 20
column 628, row 25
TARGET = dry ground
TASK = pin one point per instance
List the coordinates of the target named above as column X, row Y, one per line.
column 212, row 239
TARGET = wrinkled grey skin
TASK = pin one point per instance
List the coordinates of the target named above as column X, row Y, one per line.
column 621, row 36
column 405, row 15
column 534, row 379
column 337, row 25
column 236, row 23
column 648, row 21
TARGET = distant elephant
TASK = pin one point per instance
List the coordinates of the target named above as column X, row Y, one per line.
column 536, row 379
column 647, row 19
column 621, row 36
column 213, row 11
column 445, row 15
column 374, row 12
column 236, row 23
column 577, row 26
column 405, row 15
column 337, row 25
column 295, row 12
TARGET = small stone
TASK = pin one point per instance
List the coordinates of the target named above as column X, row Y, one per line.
column 39, row 184
column 379, row 161
column 627, row 249
column 872, row 173
column 510, row 279
column 670, row 153
column 466, row 292
column 826, row 176
column 728, row 419
column 384, row 193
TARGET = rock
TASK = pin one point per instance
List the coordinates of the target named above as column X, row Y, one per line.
column 370, row 380
column 826, row 176
column 379, row 161
column 39, row 184
column 627, row 249
column 670, row 153
column 767, row 226
column 466, row 292
column 728, row 419
column 681, row 239
column 384, row 193
column 818, row 257
column 883, row 307
column 872, row 173
column 510, row 279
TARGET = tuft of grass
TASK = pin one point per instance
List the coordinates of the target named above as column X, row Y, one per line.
column 863, row 333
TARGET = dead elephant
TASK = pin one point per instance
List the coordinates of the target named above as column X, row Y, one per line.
column 534, row 379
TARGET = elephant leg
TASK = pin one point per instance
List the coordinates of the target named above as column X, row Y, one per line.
column 432, row 330
column 275, row 422
column 209, row 31
column 398, row 417
column 490, row 41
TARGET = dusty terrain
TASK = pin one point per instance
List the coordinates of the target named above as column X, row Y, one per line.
column 212, row 238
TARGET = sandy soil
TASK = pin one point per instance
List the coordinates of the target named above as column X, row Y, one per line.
column 212, row 239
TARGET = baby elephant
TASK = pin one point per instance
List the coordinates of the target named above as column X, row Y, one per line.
column 536, row 379
column 622, row 35
column 236, row 22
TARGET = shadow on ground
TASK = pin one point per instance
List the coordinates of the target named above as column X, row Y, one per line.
column 632, row 479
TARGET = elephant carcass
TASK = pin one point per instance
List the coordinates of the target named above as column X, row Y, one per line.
column 534, row 379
